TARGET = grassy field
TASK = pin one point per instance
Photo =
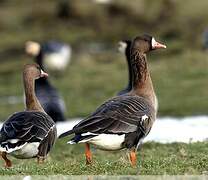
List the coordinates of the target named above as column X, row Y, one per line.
column 180, row 82
column 179, row 74
column 153, row 159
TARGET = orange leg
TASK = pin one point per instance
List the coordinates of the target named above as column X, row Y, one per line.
column 8, row 163
column 132, row 156
column 41, row 159
column 88, row 154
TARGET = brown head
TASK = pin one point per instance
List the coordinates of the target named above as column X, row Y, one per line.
column 30, row 73
column 33, row 71
column 142, row 83
column 145, row 43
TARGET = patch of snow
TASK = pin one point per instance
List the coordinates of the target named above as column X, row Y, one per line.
column 165, row 129
column 187, row 129
column 66, row 126
column 27, row 178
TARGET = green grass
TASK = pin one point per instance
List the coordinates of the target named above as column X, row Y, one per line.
column 152, row 159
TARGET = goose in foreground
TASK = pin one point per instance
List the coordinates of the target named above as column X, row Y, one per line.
column 123, row 121
column 46, row 93
column 124, row 47
column 30, row 133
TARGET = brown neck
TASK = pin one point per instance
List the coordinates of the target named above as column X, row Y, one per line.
column 32, row 103
column 142, row 83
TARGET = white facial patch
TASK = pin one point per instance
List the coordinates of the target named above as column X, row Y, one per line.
column 122, row 46
column 153, row 43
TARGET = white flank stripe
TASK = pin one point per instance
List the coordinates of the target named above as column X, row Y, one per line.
column 88, row 133
column 144, row 118
column 13, row 141
column 10, row 150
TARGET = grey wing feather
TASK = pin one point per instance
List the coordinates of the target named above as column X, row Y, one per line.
column 26, row 126
column 119, row 115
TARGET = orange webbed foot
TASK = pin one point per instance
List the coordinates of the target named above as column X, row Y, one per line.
column 133, row 158
column 8, row 163
column 88, row 154
column 41, row 159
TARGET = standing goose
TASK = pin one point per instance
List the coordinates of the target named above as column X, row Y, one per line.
column 30, row 133
column 124, row 47
column 123, row 121
column 48, row 96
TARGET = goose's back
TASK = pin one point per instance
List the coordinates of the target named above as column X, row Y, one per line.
column 26, row 126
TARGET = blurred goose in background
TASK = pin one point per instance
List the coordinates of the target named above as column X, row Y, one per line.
column 30, row 133
column 48, row 96
column 124, row 47
column 205, row 39
column 123, row 121
column 50, row 100
column 51, row 56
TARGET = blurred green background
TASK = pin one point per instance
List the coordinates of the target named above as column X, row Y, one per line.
column 97, row 71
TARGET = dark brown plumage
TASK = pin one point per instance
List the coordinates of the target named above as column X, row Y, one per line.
column 30, row 133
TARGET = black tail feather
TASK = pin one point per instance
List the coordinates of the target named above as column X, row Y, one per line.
column 79, row 137
column 2, row 137
column 66, row 133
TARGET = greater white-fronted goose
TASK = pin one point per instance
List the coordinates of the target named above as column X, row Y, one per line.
column 30, row 133
column 46, row 93
column 124, row 47
column 123, row 121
